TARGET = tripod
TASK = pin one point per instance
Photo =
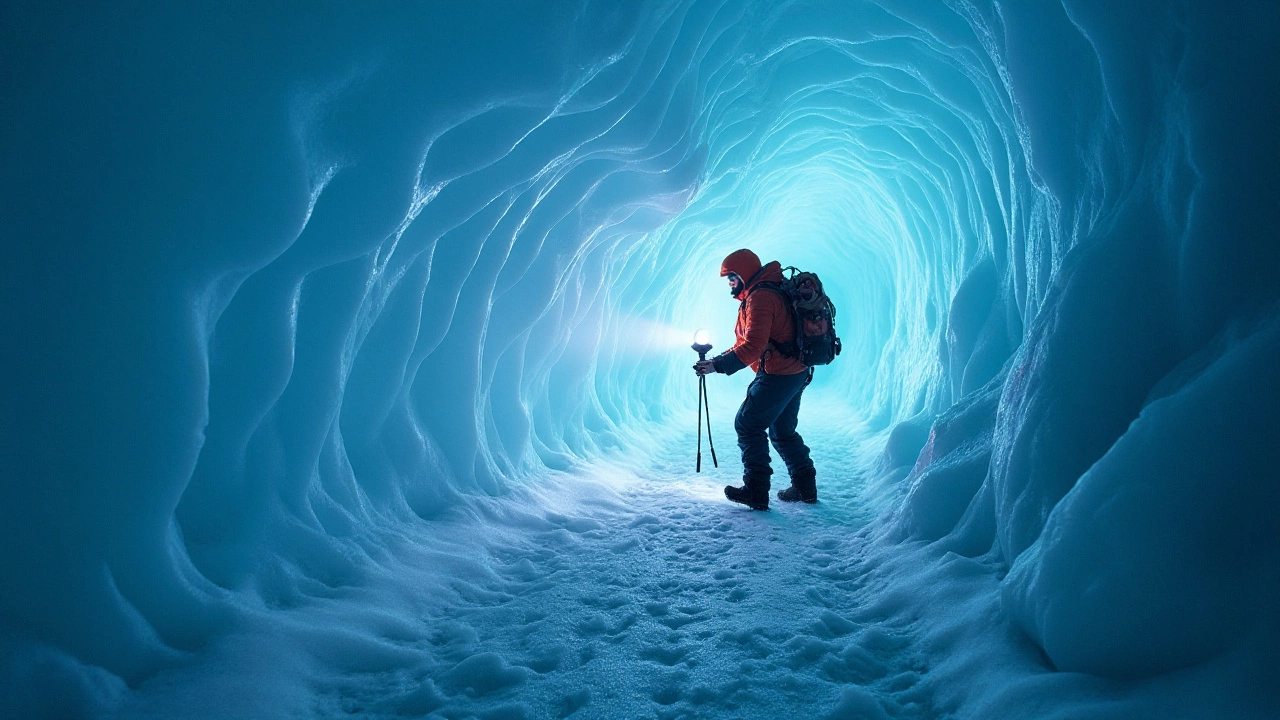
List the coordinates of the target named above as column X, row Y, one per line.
column 702, row 350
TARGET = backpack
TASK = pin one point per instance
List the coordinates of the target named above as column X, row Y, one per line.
column 813, row 317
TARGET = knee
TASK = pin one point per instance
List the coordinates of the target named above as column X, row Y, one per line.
column 783, row 437
column 743, row 426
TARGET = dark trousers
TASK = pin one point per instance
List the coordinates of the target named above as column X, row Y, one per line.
column 773, row 407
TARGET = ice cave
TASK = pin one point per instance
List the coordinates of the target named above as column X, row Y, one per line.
column 347, row 369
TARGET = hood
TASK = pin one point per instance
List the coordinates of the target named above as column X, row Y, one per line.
column 747, row 265
column 743, row 262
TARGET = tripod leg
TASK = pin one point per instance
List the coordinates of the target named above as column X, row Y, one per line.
column 707, row 405
column 700, row 397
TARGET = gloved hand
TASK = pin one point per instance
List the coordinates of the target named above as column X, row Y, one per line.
column 704, row 367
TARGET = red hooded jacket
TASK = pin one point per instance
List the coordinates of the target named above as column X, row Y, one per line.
column 762, row 317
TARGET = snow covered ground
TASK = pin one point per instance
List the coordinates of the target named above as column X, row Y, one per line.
column 630, row 588
column 607, row 592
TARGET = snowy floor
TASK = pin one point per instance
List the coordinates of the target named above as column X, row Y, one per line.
column 632, row 589
column 613, row 593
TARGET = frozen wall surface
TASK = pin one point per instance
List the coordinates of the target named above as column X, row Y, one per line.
column 280, row 283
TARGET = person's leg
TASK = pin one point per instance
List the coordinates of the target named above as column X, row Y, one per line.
column 785, row 439
column 794, row 452
column 767, row 397
column 751, row 424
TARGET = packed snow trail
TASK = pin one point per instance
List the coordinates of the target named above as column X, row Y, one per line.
column 612, row 593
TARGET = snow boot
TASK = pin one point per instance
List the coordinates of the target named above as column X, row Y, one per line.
column 754, row 495
column 804, row 488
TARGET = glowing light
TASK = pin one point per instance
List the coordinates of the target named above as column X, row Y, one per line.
column 702, row 337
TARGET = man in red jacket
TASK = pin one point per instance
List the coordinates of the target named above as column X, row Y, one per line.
column 773, row 398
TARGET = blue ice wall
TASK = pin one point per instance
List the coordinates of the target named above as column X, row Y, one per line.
column 276, row 277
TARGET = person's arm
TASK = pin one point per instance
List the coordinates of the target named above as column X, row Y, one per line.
column 727, row 362
column 759, row 320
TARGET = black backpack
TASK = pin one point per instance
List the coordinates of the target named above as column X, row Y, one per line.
column 812, row 315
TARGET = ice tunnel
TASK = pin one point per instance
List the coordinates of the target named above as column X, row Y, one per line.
column 346, row 364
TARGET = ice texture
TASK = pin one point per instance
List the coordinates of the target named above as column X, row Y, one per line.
column 346, row 367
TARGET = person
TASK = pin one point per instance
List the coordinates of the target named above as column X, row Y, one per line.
column 772, row 404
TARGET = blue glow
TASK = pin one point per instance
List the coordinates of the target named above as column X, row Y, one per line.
column 347, row 362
